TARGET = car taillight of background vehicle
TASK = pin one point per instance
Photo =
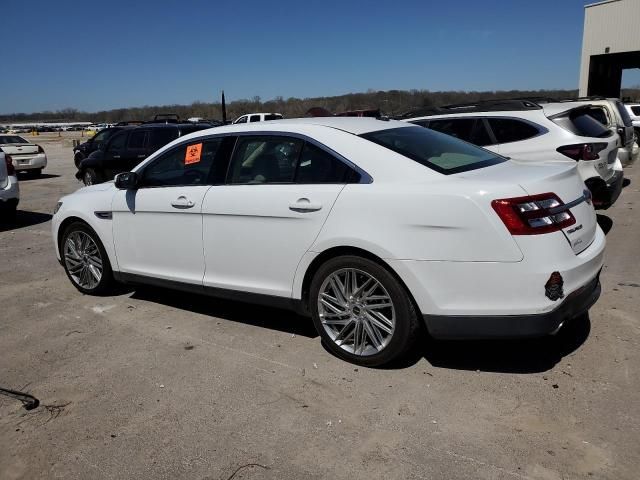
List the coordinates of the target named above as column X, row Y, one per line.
column 10, row 168
column 535, row 214
column 40, row 149
column 583, row 151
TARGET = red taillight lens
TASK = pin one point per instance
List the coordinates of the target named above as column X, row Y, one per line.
column 40, row 149
column 583, row 151
column 534, row 214
column 10, row 168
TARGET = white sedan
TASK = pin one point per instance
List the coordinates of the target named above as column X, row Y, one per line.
column 25, row 156
column 373, row 228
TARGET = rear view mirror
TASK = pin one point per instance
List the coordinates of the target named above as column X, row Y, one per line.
column 126, row 180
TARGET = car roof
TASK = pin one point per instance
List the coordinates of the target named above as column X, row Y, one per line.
column 354, row 125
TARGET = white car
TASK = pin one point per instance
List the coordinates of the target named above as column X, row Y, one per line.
column 371, row 227
column 26, row 156
column 258, row 117
column 9, row 190
column 527, row 131
column 633, row 109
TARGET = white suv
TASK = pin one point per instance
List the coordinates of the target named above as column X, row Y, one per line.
column 633, row 109
column 9, row 191
column 526, row 131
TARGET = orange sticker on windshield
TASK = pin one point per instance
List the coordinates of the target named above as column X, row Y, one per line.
column 193, row 154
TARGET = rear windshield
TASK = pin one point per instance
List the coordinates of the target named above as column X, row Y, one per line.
column 12, row 139
column 581, row 122
column 626, row 119
column 435, row 150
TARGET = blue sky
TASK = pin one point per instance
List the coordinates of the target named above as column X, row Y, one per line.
column 95, row 55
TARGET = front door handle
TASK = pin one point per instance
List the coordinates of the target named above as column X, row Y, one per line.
column 303, row 205
column 182, row 202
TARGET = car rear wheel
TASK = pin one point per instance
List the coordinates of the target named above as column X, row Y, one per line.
column 85, row 260
column 362, row 312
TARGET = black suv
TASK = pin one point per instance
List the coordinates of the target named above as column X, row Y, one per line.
column 128, row 147
column 82, row 151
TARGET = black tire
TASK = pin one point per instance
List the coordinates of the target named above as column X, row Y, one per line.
column 77, row 159
column 406, row 329
column 106, row 283
column 90, row 177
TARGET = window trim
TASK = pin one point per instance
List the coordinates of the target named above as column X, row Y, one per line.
column 365, row 178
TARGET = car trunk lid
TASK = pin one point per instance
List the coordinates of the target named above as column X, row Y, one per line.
column 561, row 179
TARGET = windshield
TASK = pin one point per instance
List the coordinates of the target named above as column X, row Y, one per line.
column 435, row 150
column 5, row 139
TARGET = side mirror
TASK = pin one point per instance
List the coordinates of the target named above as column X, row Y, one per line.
column 126, row 180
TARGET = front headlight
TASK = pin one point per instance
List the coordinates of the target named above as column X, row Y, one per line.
column 58, row 205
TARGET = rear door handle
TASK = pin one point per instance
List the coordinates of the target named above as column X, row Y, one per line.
column 303, row 205
column 182, row 202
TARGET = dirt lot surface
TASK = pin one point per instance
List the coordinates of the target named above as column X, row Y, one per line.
column 154, row 384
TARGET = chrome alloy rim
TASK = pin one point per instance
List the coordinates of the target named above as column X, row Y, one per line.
column 356, row 311
column 83, row 260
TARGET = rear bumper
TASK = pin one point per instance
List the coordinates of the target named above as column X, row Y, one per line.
column 515, row 326
column 37, row 162
column 606, row 194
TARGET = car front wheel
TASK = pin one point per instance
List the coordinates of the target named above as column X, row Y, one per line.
column 85, row 260
column 362, row 312
column 90, row 177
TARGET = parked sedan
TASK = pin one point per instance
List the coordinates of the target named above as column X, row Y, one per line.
column 26, row 156
column 371, row 227
column 9, row 190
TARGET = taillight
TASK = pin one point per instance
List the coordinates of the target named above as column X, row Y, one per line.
column 10, row 168
column 543, row 213
column 40, row 149
column 582, row 151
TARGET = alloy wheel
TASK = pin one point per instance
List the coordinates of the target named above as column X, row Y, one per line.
column 83, row 260
column 356, row 311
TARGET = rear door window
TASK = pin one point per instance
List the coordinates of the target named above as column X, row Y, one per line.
column 319, row 166
column 137, row 139
column 272, row 116
column 159, row 137
column 636, row 111
column 461, row 128
column 254, row 118
column 264, row 159
column 508, row 130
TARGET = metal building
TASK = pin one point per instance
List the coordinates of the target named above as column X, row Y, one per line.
column 610, row 44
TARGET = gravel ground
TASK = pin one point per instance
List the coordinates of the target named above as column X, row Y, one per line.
column 155, row 384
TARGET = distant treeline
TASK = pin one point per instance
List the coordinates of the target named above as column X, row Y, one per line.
column 391, row 102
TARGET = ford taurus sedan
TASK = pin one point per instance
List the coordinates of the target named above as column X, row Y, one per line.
column 373, row 228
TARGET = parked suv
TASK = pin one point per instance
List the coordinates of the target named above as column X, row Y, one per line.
column 82, row 151
column 612, row 113
column 128, row 147
column 526, row 131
